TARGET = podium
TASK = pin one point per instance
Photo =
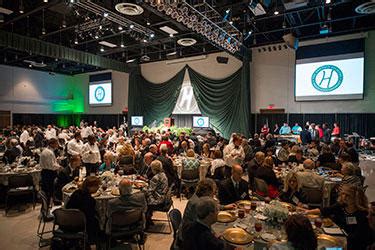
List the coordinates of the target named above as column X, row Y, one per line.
column 168, row 122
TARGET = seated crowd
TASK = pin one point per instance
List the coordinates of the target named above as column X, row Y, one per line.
column 237, row 170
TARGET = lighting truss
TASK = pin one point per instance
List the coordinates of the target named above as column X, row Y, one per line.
column 113, row 17
column 204, row 20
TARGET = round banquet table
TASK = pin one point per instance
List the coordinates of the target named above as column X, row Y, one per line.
column 101, row 197
column 247, row 223
column 6, row 172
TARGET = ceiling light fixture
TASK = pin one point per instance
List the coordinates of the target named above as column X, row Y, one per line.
column 105, row 14
column 328, row 1
column 46, row 1
column 101, row 49
column 96, row 36
column 152, row 35
column 130, row 60
column 120, row 27
column 148, row 23
column 276, row 12
column 43, row 27
column 76, row 40
column 63, row 22
column 170, row 35
column 131, row 26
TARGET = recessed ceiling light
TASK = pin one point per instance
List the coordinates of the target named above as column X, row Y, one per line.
column 145, row 40
column 152, row 35
column 328, row 1
column 148, row 23
column 105, row 14
column 46, row 1
column 187, row 41
column 129, row 9
column 276, row 12
column 101, row 49
column 131, row 26
column 130, row 60
column 170, row 35
column 120, row 27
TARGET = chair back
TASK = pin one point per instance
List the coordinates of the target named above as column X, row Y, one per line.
column 176, row 218
column 21, row 180
column 70, row 220
column 190, row 174
column 261, row 186
column 45, row 204
column 125, row 218
column 314, row 195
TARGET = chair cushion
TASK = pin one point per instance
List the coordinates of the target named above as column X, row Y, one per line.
column 67, row 235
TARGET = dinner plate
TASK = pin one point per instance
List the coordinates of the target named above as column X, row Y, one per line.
column 268, row 237
column 243, row 203
column 225, row 217
column 96, row 194
column 325, row 240
column 237, row 236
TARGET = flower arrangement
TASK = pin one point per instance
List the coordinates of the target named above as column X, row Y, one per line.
column 276, row 213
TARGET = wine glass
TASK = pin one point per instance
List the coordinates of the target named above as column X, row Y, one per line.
column 241, row 214
column 258, row 227
column 318, row 223
column 253, row 206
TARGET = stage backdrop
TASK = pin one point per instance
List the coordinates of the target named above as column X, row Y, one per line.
column 225, row 101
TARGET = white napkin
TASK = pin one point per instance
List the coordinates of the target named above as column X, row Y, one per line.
column 333, row 230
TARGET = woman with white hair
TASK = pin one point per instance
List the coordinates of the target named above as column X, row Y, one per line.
column 156, row 191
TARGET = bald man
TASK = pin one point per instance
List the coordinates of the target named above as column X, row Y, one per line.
column 127, row 200
column 145, row 169
column 308, row 177
column 234, row 188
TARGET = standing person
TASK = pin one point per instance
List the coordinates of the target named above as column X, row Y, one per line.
column 326, row 133
column 91, row 155
column 50, row 133
column 233, row 152
column 336, row 130
column 285, row 129
column 24, row 137
column 296, row 129
column 49, row 166
column 276, row 129
column 320, row 131
column 75, row 145
column 305, row 136
column 265, row 129
column 86, row 131
column 314, row 133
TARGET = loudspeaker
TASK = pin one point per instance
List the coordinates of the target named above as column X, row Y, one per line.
column 291, row 41
column 221, row 59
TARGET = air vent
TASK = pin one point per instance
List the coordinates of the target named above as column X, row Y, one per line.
column 129, row 9
column 366, row 8
column 187, row 42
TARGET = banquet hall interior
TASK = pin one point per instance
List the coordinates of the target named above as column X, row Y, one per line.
column 187, row 124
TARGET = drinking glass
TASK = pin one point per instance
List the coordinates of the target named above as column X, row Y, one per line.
column 258, row 227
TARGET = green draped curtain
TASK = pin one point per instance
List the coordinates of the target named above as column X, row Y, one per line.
column 226, row 102
column 153, row 101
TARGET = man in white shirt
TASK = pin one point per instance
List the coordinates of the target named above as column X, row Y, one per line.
column 112, row 136
column 91, row 155
column 75, row 145
column 308, row 178
column 86, row 131
column 233, row 152
column 50, row 133
column 49, row 166
column 24, row 137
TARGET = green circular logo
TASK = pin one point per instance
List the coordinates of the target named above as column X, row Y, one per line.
column 327, row 78
column 99, row 93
